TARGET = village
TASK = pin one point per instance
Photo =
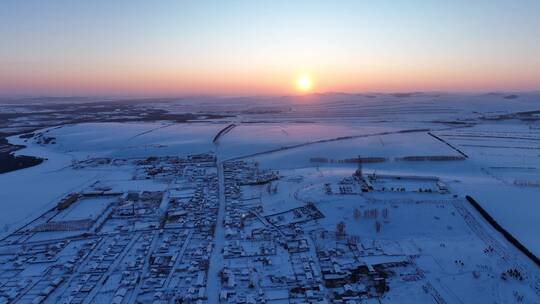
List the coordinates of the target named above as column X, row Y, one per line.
column 104, row 245
column 195, row 230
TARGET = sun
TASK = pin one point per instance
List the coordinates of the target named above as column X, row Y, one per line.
column 304, row 83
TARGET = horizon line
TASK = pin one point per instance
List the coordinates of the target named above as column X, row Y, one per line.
column 299, row 95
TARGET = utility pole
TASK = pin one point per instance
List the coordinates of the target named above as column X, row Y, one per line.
column 359, row 170
column 358, row 173
column 359, row 176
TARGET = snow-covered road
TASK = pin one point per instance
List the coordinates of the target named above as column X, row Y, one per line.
column 216, row 260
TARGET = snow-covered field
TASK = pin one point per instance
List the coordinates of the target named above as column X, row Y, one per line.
column 502, row 154
column 132, row 140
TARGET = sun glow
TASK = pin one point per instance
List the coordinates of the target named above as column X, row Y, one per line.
column 304, row 83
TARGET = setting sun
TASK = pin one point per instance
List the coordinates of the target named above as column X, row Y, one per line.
column 304, row 83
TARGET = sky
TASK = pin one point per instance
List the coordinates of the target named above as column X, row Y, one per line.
column 152, row 48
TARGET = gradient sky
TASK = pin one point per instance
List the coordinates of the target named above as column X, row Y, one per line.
column 260, row 47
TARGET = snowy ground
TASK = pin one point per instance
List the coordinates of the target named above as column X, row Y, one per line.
column 490, row 146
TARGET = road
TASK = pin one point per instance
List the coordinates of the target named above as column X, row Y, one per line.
column 216, row 260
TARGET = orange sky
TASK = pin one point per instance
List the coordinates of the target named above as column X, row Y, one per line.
column 250, row 47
